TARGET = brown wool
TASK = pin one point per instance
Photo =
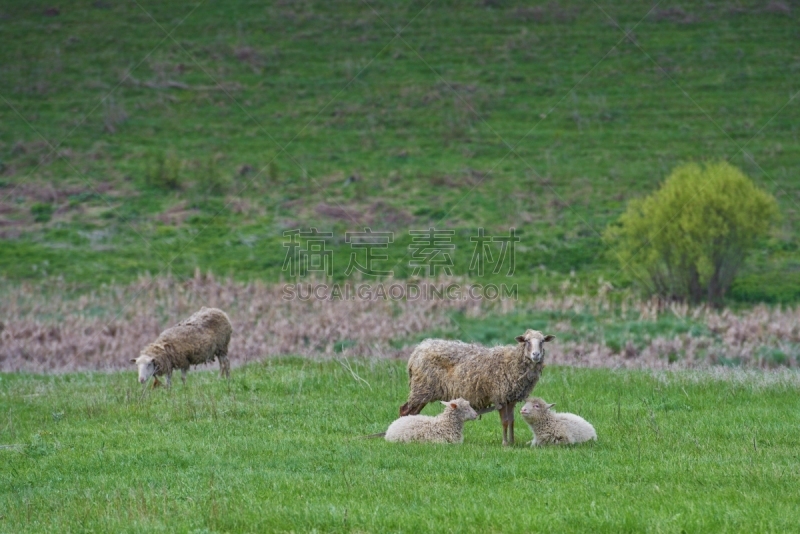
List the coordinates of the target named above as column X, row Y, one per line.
column 201, row 338
column 485, row 376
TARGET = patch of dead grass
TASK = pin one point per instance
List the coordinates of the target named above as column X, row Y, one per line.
column 44, row 332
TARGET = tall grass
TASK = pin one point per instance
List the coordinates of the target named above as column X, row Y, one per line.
column 56, row 329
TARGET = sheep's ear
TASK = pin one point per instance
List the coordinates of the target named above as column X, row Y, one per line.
column 445, row 403
column 550, row 406
column 549, row 337
column 453, row 405
column 521, row 339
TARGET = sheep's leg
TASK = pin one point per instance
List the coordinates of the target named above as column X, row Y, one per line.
column 224, row 366
column 410, row 408
column 183, row 376
column 169, row 380
column 507, row 418
column 510, row 416
column 504, row 420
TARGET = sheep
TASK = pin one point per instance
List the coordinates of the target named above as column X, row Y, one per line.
column 447, row 427
column 551, row 428
column 490, row 379
column 199, row 339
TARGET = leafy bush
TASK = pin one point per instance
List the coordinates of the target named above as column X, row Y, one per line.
column 163, row 171
column 688, row 239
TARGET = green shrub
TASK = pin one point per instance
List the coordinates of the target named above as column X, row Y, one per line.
column 164, row 171
column 42, row 212
column 688, row 239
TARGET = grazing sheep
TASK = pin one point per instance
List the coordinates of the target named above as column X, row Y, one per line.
column 490, row 379
column 551, row 428
column 447, row 427
column 198, row 339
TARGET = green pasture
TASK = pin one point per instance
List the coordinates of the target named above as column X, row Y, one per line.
column 160, row 137
column 274, row 450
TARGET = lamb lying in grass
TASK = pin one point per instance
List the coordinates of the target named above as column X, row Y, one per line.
column 551, row 428
column 447, row 427
column 199, row 339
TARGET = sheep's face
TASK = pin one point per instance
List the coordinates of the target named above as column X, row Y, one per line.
column 534, row 344
column 467, row 412
column 535, row 408
column 147, row 367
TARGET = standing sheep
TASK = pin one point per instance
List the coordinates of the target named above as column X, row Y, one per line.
column 198, row 339
column 447, row 427
column 490, row 379
column 551, row 428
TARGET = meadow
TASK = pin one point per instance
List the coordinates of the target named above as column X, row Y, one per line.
column 156, row 157
column 274, row 450
column 161, row 137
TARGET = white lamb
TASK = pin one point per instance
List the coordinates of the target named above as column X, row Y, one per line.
column 551, row 428
column 447, row 427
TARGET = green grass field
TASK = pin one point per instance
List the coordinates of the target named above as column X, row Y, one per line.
column 273, row 451
column 144, row 144
column 126, row 148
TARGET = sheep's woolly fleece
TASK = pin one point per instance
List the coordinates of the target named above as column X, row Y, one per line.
column 553, row 428
column 441, row 369
column 199, row 339
column 447, row 427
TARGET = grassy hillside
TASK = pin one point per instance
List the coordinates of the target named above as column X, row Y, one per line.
column 167, row 136
column 273, row 451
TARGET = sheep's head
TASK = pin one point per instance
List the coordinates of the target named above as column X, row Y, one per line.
column 462, row 407
column 147, row 367
column 535, row 408
column 534, row 344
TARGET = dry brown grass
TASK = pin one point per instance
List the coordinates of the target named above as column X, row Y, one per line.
column 52, row 331
column 748, row 338
column 104, row 329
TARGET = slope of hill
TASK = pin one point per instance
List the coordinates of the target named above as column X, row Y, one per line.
column 168, row 136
